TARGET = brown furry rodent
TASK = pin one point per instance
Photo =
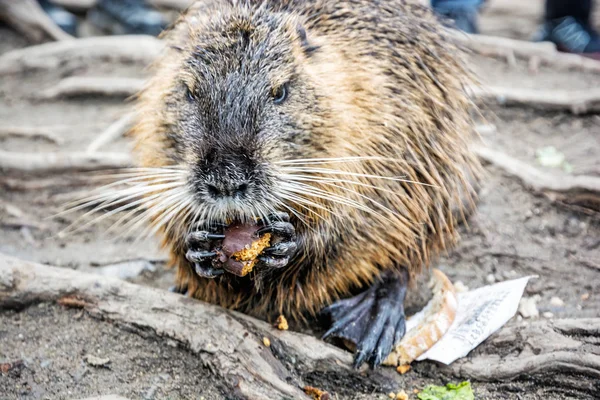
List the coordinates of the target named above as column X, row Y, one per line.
column 343, row 125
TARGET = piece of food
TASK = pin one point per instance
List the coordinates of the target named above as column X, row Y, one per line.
column 266, row 341
column 432, row 322
column 316, row 394
column 241, row 247
column 402, row 369
column 401, row 395
column 462, row 391
column 282, row 323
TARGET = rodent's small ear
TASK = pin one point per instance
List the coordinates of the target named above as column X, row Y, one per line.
column 306, row 45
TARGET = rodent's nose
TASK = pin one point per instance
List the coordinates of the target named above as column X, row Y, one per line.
column 233, row 190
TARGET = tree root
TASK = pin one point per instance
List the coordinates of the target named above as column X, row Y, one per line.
column 60, row 162
column 81, row 52
column 579, row 190
column 93, row 86
column 544, row 53
column 87, row 4
column 559, row 353
column 113, row 132
column 228, row 342
column 577, row 102
column 27, row 17
column 231, row 344
column 29, row 132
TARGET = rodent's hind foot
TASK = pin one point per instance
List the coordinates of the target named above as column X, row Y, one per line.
column 373, row 320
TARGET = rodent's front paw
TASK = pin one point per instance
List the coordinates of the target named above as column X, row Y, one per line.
column 283, row 239
column 200, row 253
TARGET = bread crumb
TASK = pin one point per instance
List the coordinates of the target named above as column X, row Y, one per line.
column 266, row 341
column 416, row 391
column 316, row 394
column 402, row 369
column 282, row 323
column 392, row 395
column 401, row 395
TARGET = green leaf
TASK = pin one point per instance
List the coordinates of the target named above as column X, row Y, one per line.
column 462, row 391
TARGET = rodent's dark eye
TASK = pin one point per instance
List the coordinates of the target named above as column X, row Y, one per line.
column 189, row 94
column 280, row 94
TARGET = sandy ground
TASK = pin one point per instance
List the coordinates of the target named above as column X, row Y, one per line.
column 513, row 233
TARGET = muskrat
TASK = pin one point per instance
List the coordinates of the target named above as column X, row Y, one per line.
column 340, row 127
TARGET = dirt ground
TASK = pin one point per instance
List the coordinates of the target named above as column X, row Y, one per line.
column 513, row 233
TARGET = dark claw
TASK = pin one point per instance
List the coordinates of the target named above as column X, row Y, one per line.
column 199, row 256
column 197, row 237
column 274, row 262
column 281, row 228
column 282, row 249
column 207, row 271
column 179, row 289
column 374, row 320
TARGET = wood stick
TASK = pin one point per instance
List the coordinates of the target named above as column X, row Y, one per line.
column 81, row 52
column 87, row 4
column 112, row 133
column 544, row 52
column 27, row 17
column 30, row 132
column 60, row 162
column 93, row 86
column 537, row 179
column 578, row 190
column 577, row 102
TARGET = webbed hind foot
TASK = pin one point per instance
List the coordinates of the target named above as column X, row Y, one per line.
column 374, row 320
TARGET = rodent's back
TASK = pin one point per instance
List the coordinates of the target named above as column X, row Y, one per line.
column 384, row 83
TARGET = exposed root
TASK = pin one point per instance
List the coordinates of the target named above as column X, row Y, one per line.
column 544, row 53
column 81, row 52
column 93, row 86
column 87, row 4
column 112, row 133
column 29, row 132
column 561, row 353
column 579, row 190
column 577, row 102
column 27, row 17
column 55, row 162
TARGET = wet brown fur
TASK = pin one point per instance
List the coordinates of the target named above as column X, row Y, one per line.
column 392, row 85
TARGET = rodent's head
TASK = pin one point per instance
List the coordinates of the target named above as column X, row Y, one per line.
column 239, row 101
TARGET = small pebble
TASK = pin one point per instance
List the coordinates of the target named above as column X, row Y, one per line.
column 585, row 296
column 460, row 287
column 548, row 315
column 528, row 308
column 557, row 302
column 96, row 361
column 490, row 278
column 266, row 341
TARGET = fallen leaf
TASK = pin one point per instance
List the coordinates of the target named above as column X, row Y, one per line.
column 462, row 391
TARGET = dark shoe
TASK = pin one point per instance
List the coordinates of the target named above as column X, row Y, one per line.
column 61, row 17
column 571, row 36
column 121, row 17
column 459, row 15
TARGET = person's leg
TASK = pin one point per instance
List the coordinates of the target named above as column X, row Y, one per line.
column 463, row 13
column 120, row 17
column 567, row 24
